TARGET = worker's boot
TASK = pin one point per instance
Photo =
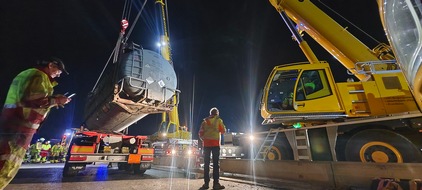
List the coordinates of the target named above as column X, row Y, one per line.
column 218, row 186
column 205, row 186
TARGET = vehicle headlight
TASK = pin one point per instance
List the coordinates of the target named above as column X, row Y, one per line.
column 251, row 137
column 189, row 152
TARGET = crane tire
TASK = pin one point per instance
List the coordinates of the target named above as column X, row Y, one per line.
column 381, row 145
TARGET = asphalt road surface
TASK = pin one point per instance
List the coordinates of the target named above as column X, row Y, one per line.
column 99, row 177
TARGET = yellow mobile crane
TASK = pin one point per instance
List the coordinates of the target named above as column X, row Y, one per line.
column 374, row 120
column 170, row 133
column 375, row 123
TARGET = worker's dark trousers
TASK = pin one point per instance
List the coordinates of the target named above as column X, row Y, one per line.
column 215, row 150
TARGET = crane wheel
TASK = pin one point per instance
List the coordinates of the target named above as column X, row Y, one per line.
column 274, row 154
column 381, row 146
column 279, row 152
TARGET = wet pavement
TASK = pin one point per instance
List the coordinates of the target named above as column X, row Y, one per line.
column 49, row 176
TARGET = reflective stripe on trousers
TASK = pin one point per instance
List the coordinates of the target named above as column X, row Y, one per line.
column 13, row 145
column 10, row 163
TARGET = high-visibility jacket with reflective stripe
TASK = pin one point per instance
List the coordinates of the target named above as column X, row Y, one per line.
column 27, row 101
column 57, row 148
column 45, row 147
column 211, row 129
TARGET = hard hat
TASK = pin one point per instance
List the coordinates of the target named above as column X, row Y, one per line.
column 48, row 142
column 214, row 111
column 42, row 139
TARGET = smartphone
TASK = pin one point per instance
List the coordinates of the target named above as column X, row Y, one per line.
column 70, row 96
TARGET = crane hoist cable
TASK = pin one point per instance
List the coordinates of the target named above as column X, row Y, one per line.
column 351, row 23
column 122, row 38
column 135, row 21
column 126, row 10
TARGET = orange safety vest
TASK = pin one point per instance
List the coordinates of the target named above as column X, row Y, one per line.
column 211, row 129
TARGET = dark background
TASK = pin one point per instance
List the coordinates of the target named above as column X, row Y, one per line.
column 222, row 51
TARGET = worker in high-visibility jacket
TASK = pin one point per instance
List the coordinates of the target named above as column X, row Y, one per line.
column 35, row 150
column 45, row 151
column 212, row 127
column 55, row 152
column 63, row 153
column 27, row 104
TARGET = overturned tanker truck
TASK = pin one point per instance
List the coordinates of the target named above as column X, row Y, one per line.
column 138, row 83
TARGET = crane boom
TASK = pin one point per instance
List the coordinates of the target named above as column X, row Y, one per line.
column 170, row 124
column 328, row 33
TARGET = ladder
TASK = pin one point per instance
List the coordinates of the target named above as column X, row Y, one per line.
column 299, row 141
column 267, row 144
column 137, row 62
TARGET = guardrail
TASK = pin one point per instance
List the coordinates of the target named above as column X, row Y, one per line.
column 338, row 175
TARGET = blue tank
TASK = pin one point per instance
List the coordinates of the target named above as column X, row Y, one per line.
column 142, row 82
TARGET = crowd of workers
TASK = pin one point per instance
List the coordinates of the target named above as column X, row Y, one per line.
column 42, row 152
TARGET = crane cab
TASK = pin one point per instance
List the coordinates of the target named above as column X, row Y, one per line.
column 297, row 89
column 307, row 92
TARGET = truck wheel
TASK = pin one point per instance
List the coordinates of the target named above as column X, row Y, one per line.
column 382, row 146
column 71, row 170
column 137, row 169
column 123, row 166
column 120, row 166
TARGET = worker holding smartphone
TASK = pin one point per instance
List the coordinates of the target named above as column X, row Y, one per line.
column 28, row 102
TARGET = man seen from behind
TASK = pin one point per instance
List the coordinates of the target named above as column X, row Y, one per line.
column 210, row 133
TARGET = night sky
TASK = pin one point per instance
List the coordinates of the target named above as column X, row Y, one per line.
column 222, row 51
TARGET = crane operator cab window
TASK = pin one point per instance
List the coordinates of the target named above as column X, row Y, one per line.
column 312, row 84
column 280, row 94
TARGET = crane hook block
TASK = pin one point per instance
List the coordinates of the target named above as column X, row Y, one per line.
column 124, row 24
